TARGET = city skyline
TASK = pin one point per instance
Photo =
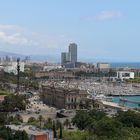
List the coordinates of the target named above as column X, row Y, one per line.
column 69, row 59
column 103, row 30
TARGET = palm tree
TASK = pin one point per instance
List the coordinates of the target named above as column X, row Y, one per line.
column 18, row 117
column 40, row 118
column 57, row 124
column 49, row 120
column 54, row 130
column 31, row 119
column 67, row 123
column 60, row 135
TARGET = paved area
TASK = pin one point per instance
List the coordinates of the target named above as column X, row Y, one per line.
column 36, row 108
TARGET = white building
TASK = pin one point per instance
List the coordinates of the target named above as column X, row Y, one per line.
column 11, row 67
column 103, row 65
column 125, row 75
column 52, row 67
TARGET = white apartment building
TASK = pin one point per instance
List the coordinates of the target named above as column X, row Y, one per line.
column 51, row 67
column 11, row 67
column 103, row 65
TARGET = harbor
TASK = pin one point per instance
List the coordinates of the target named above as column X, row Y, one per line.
column 120, row 93
column 96, row 88
column 131, row 101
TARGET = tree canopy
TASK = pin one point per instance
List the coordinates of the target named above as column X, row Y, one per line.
column 13, row 103
column 125, row 125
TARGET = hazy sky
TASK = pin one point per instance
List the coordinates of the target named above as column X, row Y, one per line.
column 103, row 29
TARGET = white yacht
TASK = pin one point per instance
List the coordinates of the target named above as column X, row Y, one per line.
column 103, row 98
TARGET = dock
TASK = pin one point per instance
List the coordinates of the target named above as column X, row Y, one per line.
column 114, row 105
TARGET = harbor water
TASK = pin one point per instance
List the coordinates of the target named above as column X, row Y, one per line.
column 116, row 99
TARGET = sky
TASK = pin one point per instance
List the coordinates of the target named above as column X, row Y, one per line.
column 104, row 30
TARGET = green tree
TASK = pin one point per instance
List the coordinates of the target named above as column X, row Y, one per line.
column 81, row 120
column 96, row 114
column 20, row 135
column 107, row 127
column 7, row 134
column 14, row 102
column 3, row 118
column 18, row 118
column 54, row 130
column 49, row 120
column 58, row 123
column 67, row 123
column 61, row 134
column 24, row 135
column 124, row 126
column 31, row 119
column 129, row 118
column 48, row 124
column 40, row 118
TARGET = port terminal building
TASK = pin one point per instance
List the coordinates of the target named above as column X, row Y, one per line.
column 63, row 97
column 125, row 75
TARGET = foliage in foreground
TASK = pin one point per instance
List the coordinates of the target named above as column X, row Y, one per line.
column 13, row 103
column 7, row 134
column 78, row 135
column 124, row 126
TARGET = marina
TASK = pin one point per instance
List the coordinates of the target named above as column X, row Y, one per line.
column 131, row 101
column 105, row 91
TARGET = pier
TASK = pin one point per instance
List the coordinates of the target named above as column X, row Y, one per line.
column 114, row 105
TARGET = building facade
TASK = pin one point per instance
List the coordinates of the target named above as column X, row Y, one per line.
column 63, row 98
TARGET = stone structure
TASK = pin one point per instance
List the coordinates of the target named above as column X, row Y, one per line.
column 63, row 98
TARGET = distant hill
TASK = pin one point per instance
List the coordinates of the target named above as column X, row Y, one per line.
column 48, row 58
column 52, row 58
column 3, row 54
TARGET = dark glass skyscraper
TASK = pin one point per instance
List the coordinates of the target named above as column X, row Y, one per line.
column 73, row 52
column 64, row 57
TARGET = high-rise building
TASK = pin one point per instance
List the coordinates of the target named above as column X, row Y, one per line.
column 27, row 59
column 68, row 59
column 73, row 52
column 65, row 58
column 7, row 58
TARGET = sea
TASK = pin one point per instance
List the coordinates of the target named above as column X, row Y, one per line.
column 127, row 65
column 116, row 99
